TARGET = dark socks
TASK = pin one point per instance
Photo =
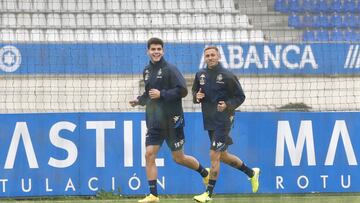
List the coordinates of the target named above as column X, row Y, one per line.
column 210, row 187
column 248, row 171
column 203, row 172
column 153, row 188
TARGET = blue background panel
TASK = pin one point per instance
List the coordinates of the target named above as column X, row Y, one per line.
column 256, row 140
column 248, row 59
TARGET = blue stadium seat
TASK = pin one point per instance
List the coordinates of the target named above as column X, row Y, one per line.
column 309, row 36
column 350, row 35
column 322, row 35
column 294, row 5
column 281, row 6
column 349, row 6
column 308, row 6
column 336, row 35
column 321, row 6
column 350, row 20
column 322, row 21
column 357, row 36
column 294, row 20
column 336, row 20
column 308, row 21
column 357, row 22
column 336, row 6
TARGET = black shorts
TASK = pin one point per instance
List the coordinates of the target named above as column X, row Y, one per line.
column 220, row 139
column 174, row 137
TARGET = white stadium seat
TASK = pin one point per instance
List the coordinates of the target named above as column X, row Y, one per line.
column 200, row 5
column 185, row 19
column 22, row 35
column 141, row 35
column 111, row 35
column 185, row 5
column 97, row 19
column 256, row 36
column 126, row 36
column 98, row 5
column 25, row 5
column 242, row 21
column 37, row 35
column 9, row 5
column 68, row 20
column 96, row 35
column 23, row 20
column 157, row 4
column 84, row 5
column 214, row 5
column 213, row 20
column 53, row 20
column 52, row 35
column 82, row 35
column 7, row 35
column 228, row 5
column 156, row 20
column 184, row 35
column 241, row 35
column 113, row 5
column 38, row 20
column 227, row 20
column 39, row 5
column 141, row 20
column 67, row 35
column 169, row 35
column 127, row 5
column 226, row 35
column 8, row 19
column 142, row 5
column 54, row 5
column 69, row 5
column 112, row 20
column 170, row 19
column 155, row 33
column 198, row 35
column 128, row 19
column 199, row 19
column 83, row 20
column 171, row 5
column 212, row 35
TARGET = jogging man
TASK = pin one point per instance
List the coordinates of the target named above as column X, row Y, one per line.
column 220, row 93
column 164, row 89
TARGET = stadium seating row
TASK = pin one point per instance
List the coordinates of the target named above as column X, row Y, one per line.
column 317, row 6
column 334, row 35
column 127, row 35
column 86, row 5
column 326, row 21
column 125, row 20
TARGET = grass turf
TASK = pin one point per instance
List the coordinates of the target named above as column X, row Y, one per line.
column 257, row 198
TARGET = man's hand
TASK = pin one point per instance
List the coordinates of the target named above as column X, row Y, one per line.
column 134, row 102
column 199, row 96
column 221, row 106
column 154, row 94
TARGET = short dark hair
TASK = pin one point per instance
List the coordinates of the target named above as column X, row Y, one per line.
column 155, row 40
column 212, row 47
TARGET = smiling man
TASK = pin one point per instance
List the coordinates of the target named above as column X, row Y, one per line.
column 220, row 93
column 164, row 89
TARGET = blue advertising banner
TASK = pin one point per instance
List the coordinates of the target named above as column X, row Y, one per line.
column 248, row 59
column 83, row 153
